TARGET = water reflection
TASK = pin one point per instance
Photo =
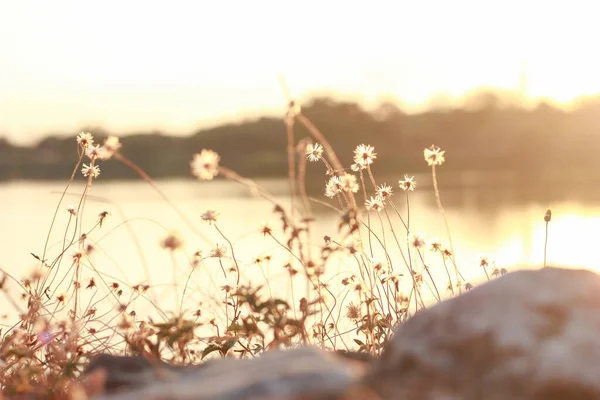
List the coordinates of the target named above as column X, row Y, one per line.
column 500, row 215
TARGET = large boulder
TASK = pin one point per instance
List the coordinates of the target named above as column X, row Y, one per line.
column 527, row 335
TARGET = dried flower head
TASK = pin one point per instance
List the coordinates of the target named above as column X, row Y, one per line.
column 435, row 244
column 374, row 203
column 417, row 240
column 61, row 298
column 71, row 209
column 101, row 217
column 92, row 170
column 434, row 155
column 314, row 152
column 94, row 152
column 364, row 155
column 227, row 287
column 205, row 165
column 408, row 184
column 333, row 187
column 349, row 183
column 172, row 242
column 210, row 216
column 110, row 147
column 353, row 312
column 266, row 229
column 384, row 192
column 219, row 251
column 85, row 139
column 548, row 215
column 294, row 109
column 484, row 261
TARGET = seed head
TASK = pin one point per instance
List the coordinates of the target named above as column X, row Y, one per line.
column 364, row 155
column 333, row 187
column 111, row 146
column 266, row 229
column 384, row 191
column 484, row 261
column 434, row 155
column 205, row 165
column 210, row 216
column 314, row 152
column 227, row 288
column 92, row 170
column 417, row 240
column 548, row 215
column 101, row 217
column 374, row 203
column 95, row 152
column 353, row 312
column 349, row 184
column 71, row 209
column 85, row 139
column 219, row 251
column 435, row 244
column 408, row 184
column 172, row 242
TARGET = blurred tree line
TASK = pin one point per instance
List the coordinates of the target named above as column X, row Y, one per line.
column 485, row 133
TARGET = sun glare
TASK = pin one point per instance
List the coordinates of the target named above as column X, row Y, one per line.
column 183, row 65
column 565, row 234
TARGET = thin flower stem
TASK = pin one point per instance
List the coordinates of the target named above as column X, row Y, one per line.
column 441, row 208
column 305, row 202
column 448, row 273
column 226, row 305
column 372, row 178
column 174, row 268
column 319, row 137
column 486, row 273
column 80, row 247
column 364, row 190
column 409, row 262
column 149, row 180
column 437, row 292
column 60, row 202
column 289, row 127
column 407, row 214
column 546, row 243
column 237, row 267
column 401, row 253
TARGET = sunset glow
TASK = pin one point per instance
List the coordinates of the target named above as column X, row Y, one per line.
column 176, row 67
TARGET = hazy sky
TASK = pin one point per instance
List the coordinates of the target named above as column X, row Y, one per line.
column 127, row 65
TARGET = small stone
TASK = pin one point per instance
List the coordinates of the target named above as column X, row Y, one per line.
column 304, row 373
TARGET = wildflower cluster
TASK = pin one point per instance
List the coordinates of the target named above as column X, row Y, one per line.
column 96, row 152
column 361, row 281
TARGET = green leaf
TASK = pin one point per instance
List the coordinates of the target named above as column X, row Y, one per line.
column 228, row 345
column 211, row 348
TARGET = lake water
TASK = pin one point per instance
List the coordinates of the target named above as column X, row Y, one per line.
column 504, row 221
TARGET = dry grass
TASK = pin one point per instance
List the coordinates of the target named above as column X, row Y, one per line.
column 346, row 293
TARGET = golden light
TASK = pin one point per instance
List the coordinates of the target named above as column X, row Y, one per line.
column 140, row 65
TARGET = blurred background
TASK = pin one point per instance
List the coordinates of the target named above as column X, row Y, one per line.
column 509, row 89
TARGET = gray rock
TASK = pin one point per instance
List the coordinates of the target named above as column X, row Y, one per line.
column 302, row 373
column 527, row 335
